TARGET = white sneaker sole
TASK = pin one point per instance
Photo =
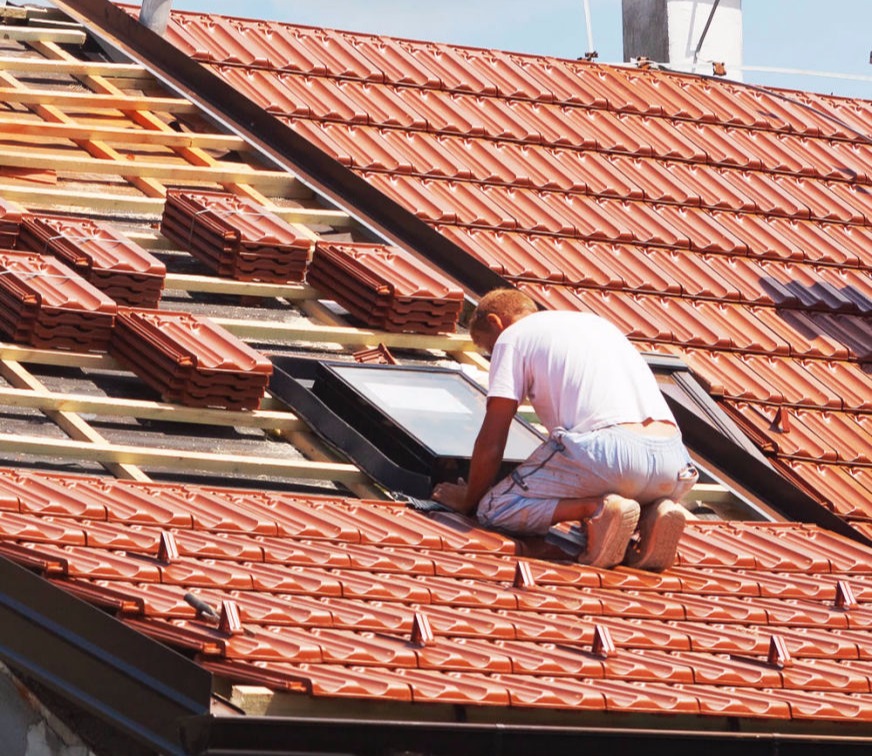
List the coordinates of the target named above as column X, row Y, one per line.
column 615, row 526
column 661, row 527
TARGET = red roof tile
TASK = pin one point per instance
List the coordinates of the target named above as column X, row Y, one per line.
column 298, row 613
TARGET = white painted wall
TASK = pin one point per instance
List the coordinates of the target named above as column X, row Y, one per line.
column 668, row 32
column 686, row 21
column 27, row 728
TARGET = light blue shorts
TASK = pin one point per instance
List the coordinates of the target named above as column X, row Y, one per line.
column 586, row 465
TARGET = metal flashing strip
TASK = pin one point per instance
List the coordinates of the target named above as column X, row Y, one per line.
column 279, row 142
column 227, row 736
column 132, row 683
column 759, row 477
column 711, row 434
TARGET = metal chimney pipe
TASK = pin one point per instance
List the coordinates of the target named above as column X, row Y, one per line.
column 155, row 14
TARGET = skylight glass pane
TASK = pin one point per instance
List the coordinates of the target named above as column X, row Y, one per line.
column 443, row 410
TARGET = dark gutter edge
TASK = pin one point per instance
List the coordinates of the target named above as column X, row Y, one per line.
column 272, row 735
column 281, row 143
column 136, row 685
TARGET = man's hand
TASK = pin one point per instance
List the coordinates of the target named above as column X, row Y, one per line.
column 452, row 495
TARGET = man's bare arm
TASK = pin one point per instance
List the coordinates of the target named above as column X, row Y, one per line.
column 487, row 455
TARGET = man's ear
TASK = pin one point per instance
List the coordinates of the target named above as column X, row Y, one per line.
column 494, row 321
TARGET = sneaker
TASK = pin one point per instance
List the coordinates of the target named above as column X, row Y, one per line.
column 660, row 529
column 609, row 531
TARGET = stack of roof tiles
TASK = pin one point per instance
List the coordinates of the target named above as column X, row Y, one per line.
column 385, row 287
column 190, row 360
column 234, row 237
column 726, row 224
column 46, row 305
column 10, row 224
column 349, row 599
column 113, row 263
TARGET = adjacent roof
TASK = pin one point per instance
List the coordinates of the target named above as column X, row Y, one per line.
column 719, row 223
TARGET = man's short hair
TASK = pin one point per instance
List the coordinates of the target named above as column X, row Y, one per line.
column 506, row 303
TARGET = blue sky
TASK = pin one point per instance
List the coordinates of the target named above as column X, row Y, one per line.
column 833, row 36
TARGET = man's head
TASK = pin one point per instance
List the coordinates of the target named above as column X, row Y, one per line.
column 496, row 311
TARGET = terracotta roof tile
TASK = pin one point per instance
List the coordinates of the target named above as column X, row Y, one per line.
column 317, row 612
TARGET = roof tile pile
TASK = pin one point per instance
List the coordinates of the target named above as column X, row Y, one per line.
column 234, row 237
column 10, row 223
column 96, row 251
column 726, row 224
column 385, row 287
column 337, row 598
column 190, row 360
column 46, row 305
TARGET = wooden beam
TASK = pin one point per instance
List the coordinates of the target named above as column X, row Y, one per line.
column 180, row 459
column 277, row 182
column 43, row 34
column 57, row 358
column 314, row 215
column 145, row 410
column 263, row 330
column 34, row 197
column 12, row 127
column 711, row 493
column 62, row 98
column 34, row 65
column 213, row 285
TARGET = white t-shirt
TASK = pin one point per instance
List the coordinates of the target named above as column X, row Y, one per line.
column 578, row 371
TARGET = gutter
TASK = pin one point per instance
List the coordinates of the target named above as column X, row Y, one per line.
column 267, row 736
column 134, row 685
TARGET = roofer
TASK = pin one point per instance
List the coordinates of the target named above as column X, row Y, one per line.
column 613, row 442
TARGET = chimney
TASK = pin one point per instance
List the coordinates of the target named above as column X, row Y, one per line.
column 155, row 14
column 687, row 35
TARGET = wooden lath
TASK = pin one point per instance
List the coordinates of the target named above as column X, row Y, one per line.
column 120, row 135
column 277, row 182
column 34, row 65
column 52, row 401
column 42, row 198
column 181, row 459
column 43, row 34
column 89, row 101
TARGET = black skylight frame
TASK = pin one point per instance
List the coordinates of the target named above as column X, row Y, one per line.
column 390, row 447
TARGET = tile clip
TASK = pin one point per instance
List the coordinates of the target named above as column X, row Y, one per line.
column 778, row 656
column 845, row 596
column 523, row 576
column 603, row 645
column 781, row 421
column 167, row 550
column 422, row 633
column 230, row 622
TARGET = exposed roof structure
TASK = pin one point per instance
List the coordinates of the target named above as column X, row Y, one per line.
column 716, row 223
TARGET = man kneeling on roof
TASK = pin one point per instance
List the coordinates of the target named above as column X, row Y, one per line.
column 614, row 459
